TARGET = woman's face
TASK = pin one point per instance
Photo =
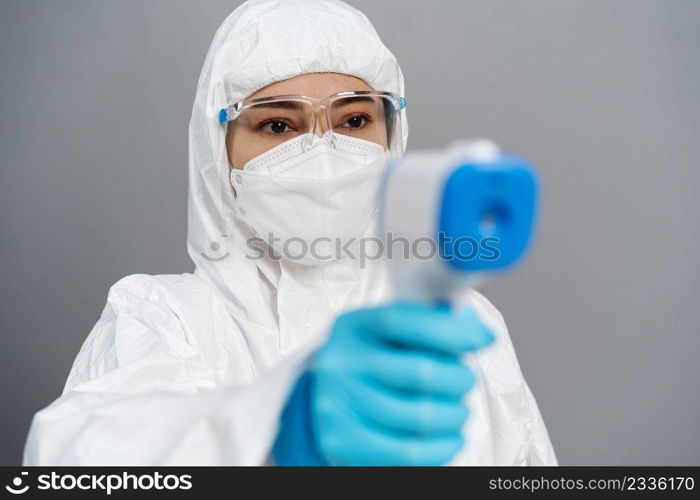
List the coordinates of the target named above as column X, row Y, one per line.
column 245, row 141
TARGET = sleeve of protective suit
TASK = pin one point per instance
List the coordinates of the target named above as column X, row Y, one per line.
column 157, row 383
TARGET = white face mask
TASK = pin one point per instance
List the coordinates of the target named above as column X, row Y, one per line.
column 309, row 199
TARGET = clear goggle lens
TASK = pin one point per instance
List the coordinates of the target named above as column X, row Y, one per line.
column 265, row 123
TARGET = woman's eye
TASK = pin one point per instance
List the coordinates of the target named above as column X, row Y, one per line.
column 276, row 127
column 357, row 121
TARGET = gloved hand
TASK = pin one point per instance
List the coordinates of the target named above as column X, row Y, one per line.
column 386, row 389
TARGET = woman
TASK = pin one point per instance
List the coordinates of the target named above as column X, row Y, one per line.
column 275, row 348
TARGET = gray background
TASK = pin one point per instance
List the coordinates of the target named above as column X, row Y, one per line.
column 602, row 95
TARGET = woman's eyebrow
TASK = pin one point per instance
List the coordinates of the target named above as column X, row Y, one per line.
column 280, row 104
column 353, row 99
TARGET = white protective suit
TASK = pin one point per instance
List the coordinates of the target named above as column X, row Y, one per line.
column 195, row 368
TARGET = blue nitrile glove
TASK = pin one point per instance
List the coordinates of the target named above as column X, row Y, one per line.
column 386, row 389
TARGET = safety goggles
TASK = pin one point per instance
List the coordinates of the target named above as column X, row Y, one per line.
column 270, row 121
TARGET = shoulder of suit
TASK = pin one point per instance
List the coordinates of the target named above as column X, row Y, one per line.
column 187, row 290
column 488, row 313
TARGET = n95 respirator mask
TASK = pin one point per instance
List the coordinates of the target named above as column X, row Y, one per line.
column 311, row 198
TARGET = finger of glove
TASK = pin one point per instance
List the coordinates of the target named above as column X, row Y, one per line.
column 403, row 413
column 363, row 445
column 418, row 326
column 419, row 371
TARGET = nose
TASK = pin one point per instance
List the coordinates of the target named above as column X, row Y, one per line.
column 320, row 122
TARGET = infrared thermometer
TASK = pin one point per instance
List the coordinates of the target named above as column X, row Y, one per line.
column 451, row 218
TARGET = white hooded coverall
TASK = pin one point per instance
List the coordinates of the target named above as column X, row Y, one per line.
column 195, row 368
